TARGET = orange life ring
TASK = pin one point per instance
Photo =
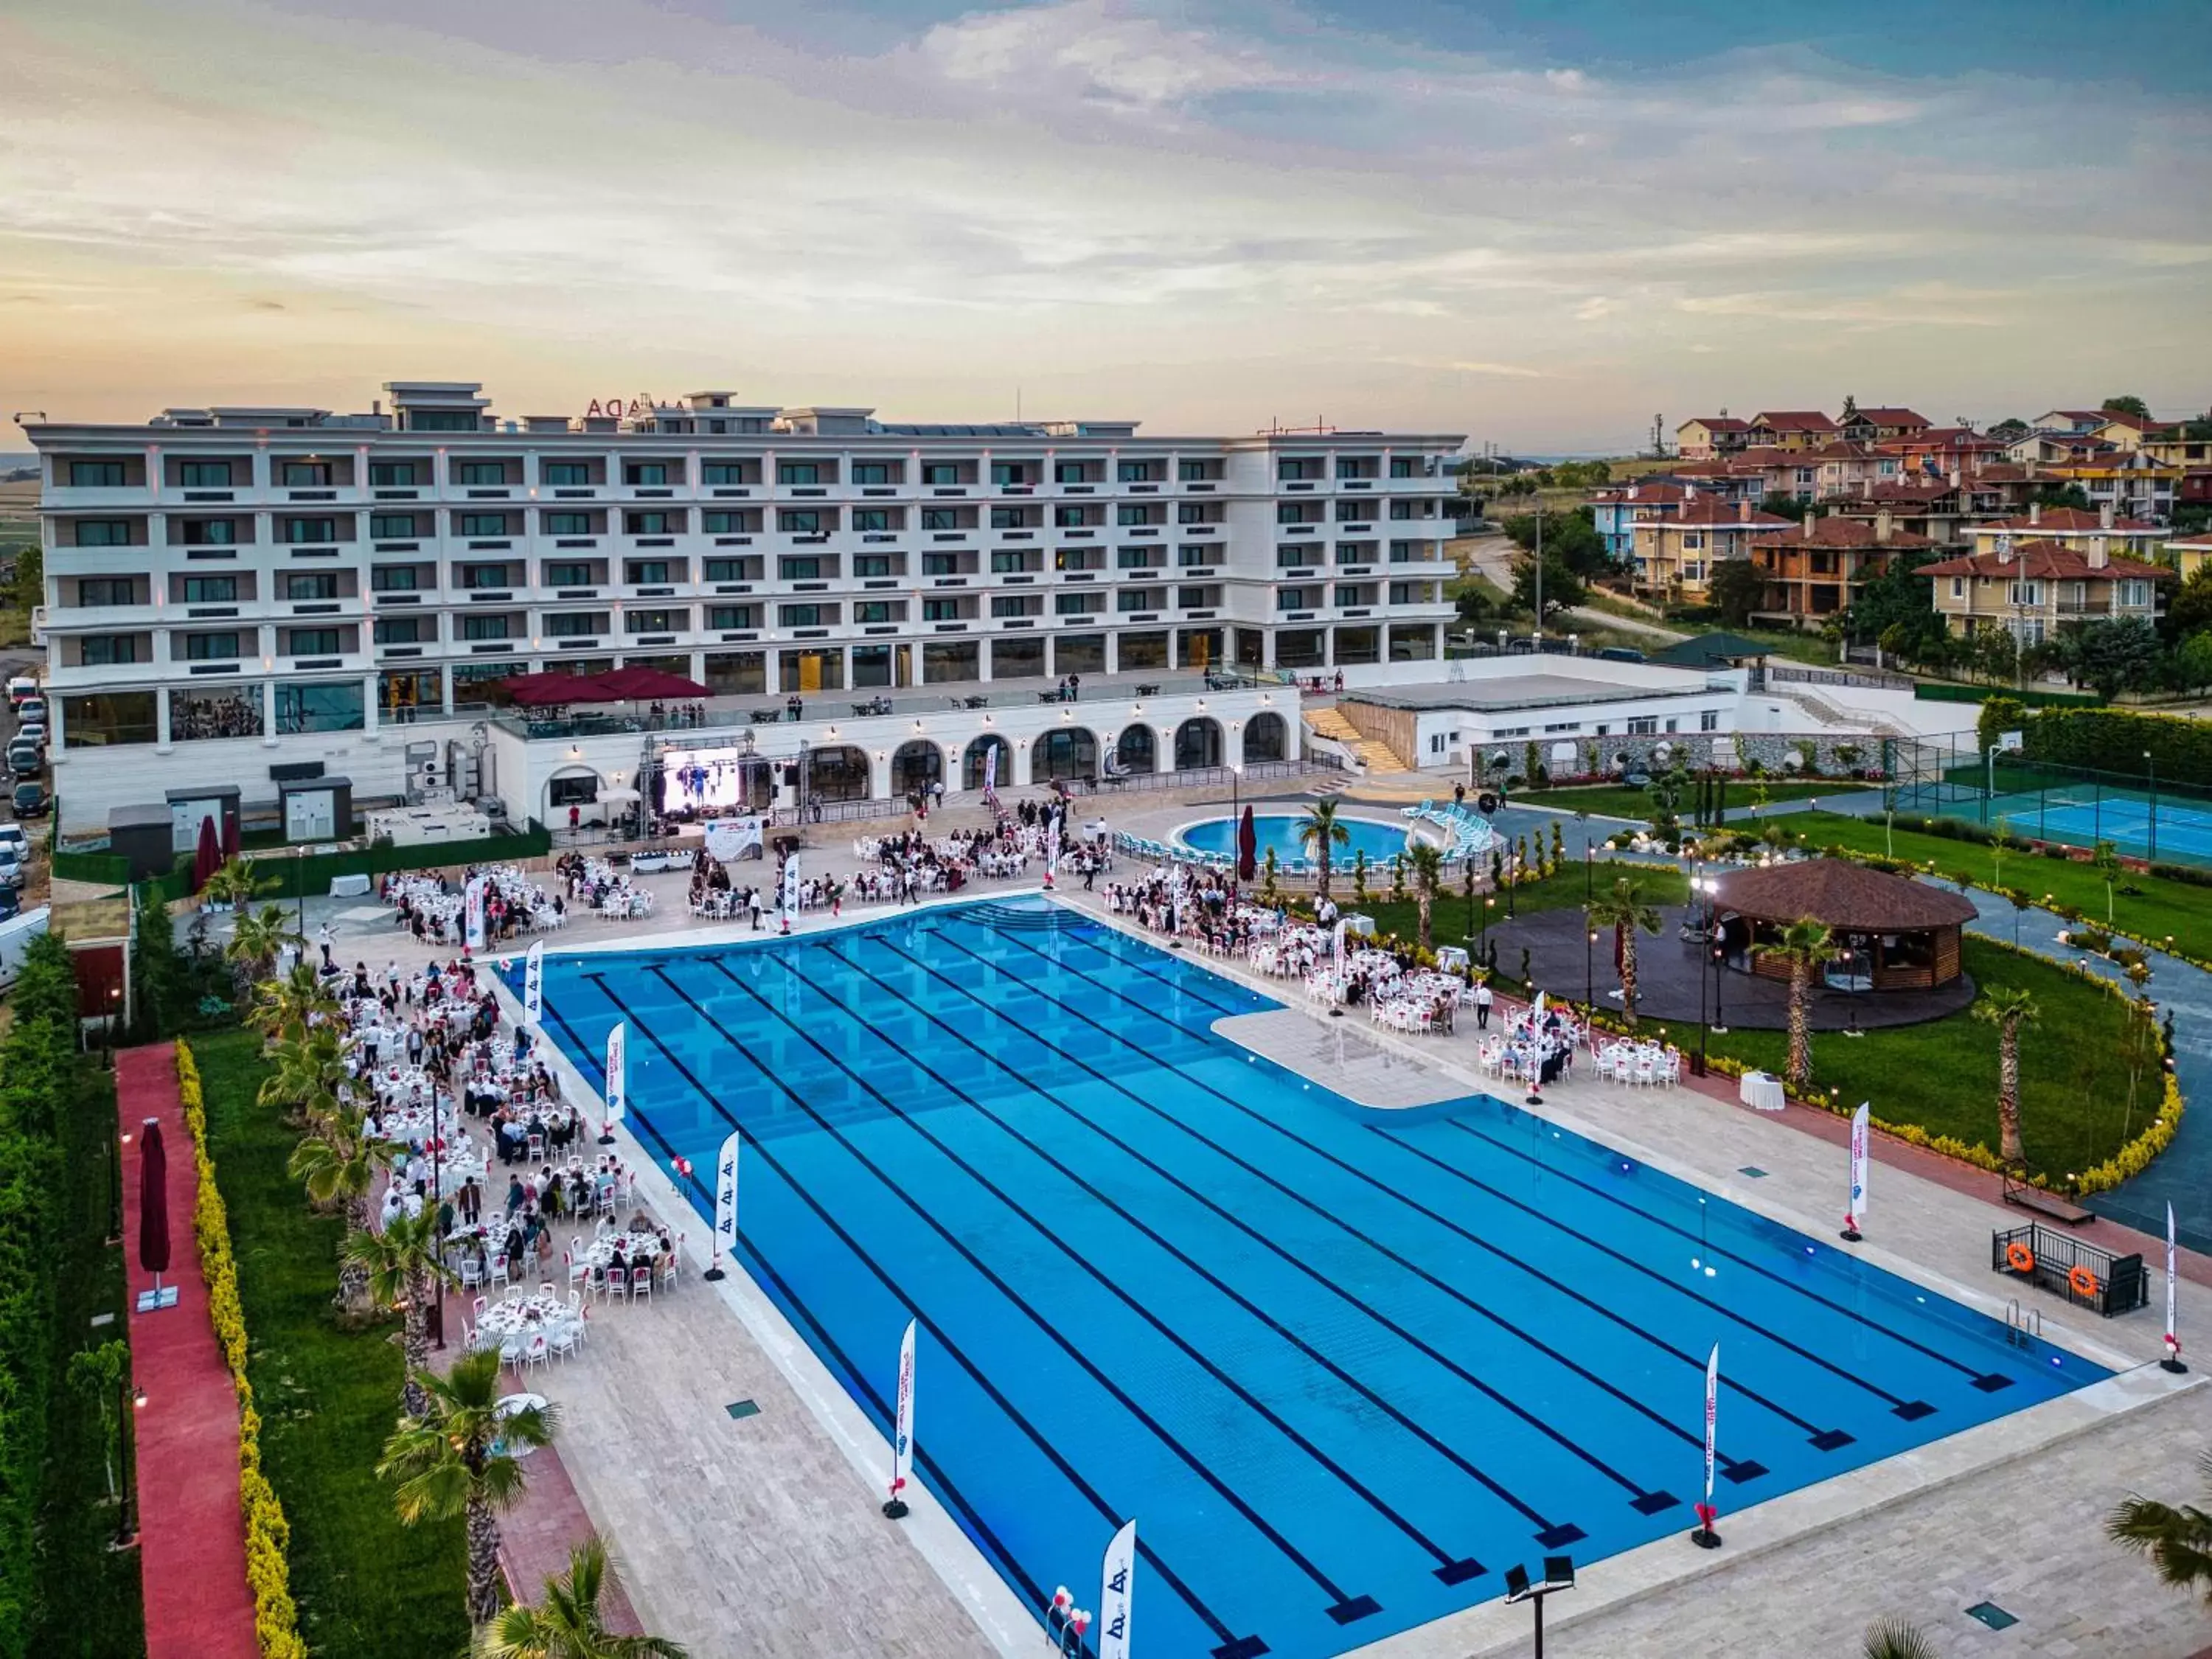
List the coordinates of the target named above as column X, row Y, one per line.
column 2083, row 1282
column 2020, row 1258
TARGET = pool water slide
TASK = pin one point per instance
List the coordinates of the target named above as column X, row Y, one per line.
column 1033, row 1196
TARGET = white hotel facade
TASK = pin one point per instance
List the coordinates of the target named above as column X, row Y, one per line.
column 231, row 589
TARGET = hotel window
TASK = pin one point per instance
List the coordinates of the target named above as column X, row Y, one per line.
column 312, row 584
column 393, row 579
column 651, row 474
column 806, row 616
column 872, row 518
column 1077, row 605
column 210, row 590
column 480, row 472
column 483, row 576
column 210, row 647
column 1350, row 594
column 1137, row 513
column 939, row 473
column 649, row 572
column 798, row 472
column 940, row 518
column 1009, row 472
column 1193, row 513
column 1010, row 561
column 481, row 524
column 304, row 474
column 103, row 533
column 1294, row 599
column 733, row 570
column 798, row 570
column 1080, row 558
column 324, row 642
column 1140, row 599
column 1643, row 726
column 724, row 523
column 728, row 616
column 646, row 524
column 308, row 530
column 567, row 523
column 1292, row 468
column 567, row 472
column 1708, row 719
column 391, row 526
column 1140, row 558
column 871, row 564
column 1006, row 518
column 722, row 472
column 1070, row 518
column 872, row 472
column 940, row 610
column 391, row 474
column 1192, row 471
column 575, row 624
column 1405, row 467
column 205, row 475
column 799, row 522
column 1067, row 472
column 1136, row 471
column 940, row 564
column 1197, row 598
column 398, row 630
column 1409, row 592
column 440, row 419
column 96, row 475
column 877, row 611
column 484, row 627
column 1017, row 605
column 210, row 532
column 568, row 576
column 110, row 650
column 656, row 622
column 1196, row 553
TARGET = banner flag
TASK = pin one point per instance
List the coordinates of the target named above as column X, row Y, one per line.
column 1712, row 1423
column 902, row 1446
column 2173, row 1329
column 617, row 1083
column 533, row 984
column 474, row 902
column 725, row 1198
column 991, row 768
column 1114, row 1594
column 789, row 901
column 1854, row 1212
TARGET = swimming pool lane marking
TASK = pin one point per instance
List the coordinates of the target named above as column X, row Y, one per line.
column 940, row 1480
column 1645, row 1501
column 1452, row 1572
column 1551, row 1535
column 1824, row 1440
column 1233, row 1647
column 1346, row 1608
column 1911, row 1410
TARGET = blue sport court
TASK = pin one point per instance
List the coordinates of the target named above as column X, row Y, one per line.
column 2183, row 827
column 1345, row 1367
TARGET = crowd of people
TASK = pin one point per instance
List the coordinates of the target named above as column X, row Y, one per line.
column 194, row 715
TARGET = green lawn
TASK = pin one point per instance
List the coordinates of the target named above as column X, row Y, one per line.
column 367, row 1586
column 1620, row 800
column 90, row 1605
column 2158, row 907
column 1662, row 884
column 1943, row 1075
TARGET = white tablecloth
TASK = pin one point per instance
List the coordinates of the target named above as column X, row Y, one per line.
column 1761, row 1091
column 349, row 886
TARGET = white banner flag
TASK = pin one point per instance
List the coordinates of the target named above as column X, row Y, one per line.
column 474, row 903
column 1854, row 1212
column 533, row 983
column 725, row 1198
column 1051, row 849
column 991, row 768
column 1114, row 1594
column 902, row 1444
column 1336, row 946
column 617, row 1083
column 2173, row 1330
column 789, row 897
column 1713, row 1423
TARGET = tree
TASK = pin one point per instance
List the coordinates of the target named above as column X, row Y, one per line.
column 98, row 1373
column 1898, row 595
column 1850, row 409
column 337, row 1164
column 567, row 1625
column 1320, row 833
column 1475, row 605
column 1804, row 947
column 2008, row 1011
column 1997, row 654
column 1427, row 861
column 1624, row 910
column 1892, row 1638
column 2190, row 612
column 259, row 937
column 307, row 1074
column 2058, row 494
column 2105, row 859
column 284, row 1009
column 2193, row 662
column 2178, row 1540
column 1793, row 508
column 403, row 1271
column 2116, row 654
column 234, row 882
column 28, row 590
column 2128, row 403
column 1573, row 538
column 445, row 1467
column 1735, row 588
column 1562, row 591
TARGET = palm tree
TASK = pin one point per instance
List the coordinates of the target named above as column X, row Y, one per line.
column 1427, row 861
column 307, row 1074
column 338, row 1163
column 2008, row 1010
column 1625, row 909
column 2178, row 1542
column 286, row 1007
column 1319, row 833
column 1892, row 1638
column 404, row 1271
column 1805, row 945
column 567, row 1625
column 234, row 883
column 259, row 937
column 457, row 1460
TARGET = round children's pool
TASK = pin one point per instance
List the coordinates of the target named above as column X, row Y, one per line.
column 1279, row 830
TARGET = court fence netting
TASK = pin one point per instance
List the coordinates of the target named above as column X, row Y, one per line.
column 2144, row 816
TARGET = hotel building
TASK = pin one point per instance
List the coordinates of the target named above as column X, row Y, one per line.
column 232, row 588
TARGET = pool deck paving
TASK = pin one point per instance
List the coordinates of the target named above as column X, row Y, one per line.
column 760, row 1534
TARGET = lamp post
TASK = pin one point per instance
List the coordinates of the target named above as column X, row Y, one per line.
column 126, row 1518
column 1589, row 983
column 1489, row 903
column 117, row 1142
column 2150, row 771
column 1589, row 866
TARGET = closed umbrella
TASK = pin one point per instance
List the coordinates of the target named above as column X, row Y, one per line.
column 154, row 1215
column 206, row 856
column 1248, row 847
column 230, row 834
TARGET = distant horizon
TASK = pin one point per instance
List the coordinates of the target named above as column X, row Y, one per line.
column 1540, row 225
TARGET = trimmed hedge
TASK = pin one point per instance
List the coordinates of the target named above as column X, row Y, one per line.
column 107, row 869
column 1944, row 691
column 312, row 876
column 275, row 1619
column 2114, row 740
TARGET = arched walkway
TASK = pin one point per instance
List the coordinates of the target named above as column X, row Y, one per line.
column 915, row 766
column 838, row 772
column 1197, row 744
column 571, row 785
column 1266, row 738
column 972, row 764
column 1070, row 752
column 1136, row 751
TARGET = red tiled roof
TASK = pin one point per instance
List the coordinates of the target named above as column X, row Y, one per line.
column 1794, row 420
column 2050, row 560
column 1894, row 417
column 1716, row 423
column 1711, row 511
column 1916, row 492
column 2066, row 518
column 1832, row 532
column 1999, row 472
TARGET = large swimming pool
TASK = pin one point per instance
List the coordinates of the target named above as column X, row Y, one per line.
column 1279, row 830
column 1345, row 1367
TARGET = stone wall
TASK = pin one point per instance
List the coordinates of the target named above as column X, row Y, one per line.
column 1781, row 753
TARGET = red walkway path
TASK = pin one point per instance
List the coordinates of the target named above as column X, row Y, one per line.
column 193, row 1537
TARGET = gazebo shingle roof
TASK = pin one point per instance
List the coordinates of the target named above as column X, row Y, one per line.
column 1840, row 894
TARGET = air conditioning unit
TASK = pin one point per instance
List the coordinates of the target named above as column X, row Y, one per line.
column 432, row 777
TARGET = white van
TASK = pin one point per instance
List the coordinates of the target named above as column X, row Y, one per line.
column 21, row 688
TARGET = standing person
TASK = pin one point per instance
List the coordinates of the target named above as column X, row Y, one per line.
column 1482, row 1006
column 326, row 937
column 753, row 904
column 1074, row 688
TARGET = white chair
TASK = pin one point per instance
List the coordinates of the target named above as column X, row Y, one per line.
column 514, row 1293
column 472, row 1275
column 665, row 1269
column 567, row 1338
column 617, row 1284
column 498, row 1273
column 535, row 1353
column 477, row 1308
column 641, row 1284
column 579, row 1273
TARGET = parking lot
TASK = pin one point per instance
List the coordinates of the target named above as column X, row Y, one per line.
column 30, row 795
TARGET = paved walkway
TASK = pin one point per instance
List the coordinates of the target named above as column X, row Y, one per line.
column 192, row 1536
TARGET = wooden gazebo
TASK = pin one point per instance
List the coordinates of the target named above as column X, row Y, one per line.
column 1900, row 934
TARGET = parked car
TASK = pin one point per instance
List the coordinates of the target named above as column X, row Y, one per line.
column 32, row 708
column 26, row 760
column 31, row 732
column 21, row 690
column 12, row 835
column 1620, row 653
column 11, row 903
column 31, row 800
column 12, row 872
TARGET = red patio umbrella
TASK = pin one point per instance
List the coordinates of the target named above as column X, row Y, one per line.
column 154, row 1214
column 637, row 683
column 552, row 690
column 1248, row 849
column 206, row 856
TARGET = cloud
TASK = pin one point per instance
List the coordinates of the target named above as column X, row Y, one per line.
column 1460, row 365
column 1096, row 51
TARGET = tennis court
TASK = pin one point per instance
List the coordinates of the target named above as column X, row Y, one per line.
column 2167, row 828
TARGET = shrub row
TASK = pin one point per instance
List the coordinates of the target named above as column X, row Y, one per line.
column 275, row 1619
column 2180, row 749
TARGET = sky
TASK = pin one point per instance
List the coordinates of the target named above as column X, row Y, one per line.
column 1537, row 223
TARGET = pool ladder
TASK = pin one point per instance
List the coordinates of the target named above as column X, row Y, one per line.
column 2023, row 1326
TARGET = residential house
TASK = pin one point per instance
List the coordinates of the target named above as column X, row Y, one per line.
column 1709, row 435
column 1872, row 426
column 1815, row 568
column 1791, row 429
column 1615, row 509
column 2070, row 420
column 2187, row 444
column 2033, row 587
column 1945, row 449
column 2042, row 448
column 1937, row 509
column 2187, row 555
column 1675, row 554
column 2124, row 432
column 1810, row 474
column 2132, row 484
column 2103, row 531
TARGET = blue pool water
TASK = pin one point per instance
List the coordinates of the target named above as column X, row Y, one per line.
column 1345, row 1367
column 1380, row 841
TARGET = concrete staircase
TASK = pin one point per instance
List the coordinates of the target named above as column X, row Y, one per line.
column 1376, row 756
